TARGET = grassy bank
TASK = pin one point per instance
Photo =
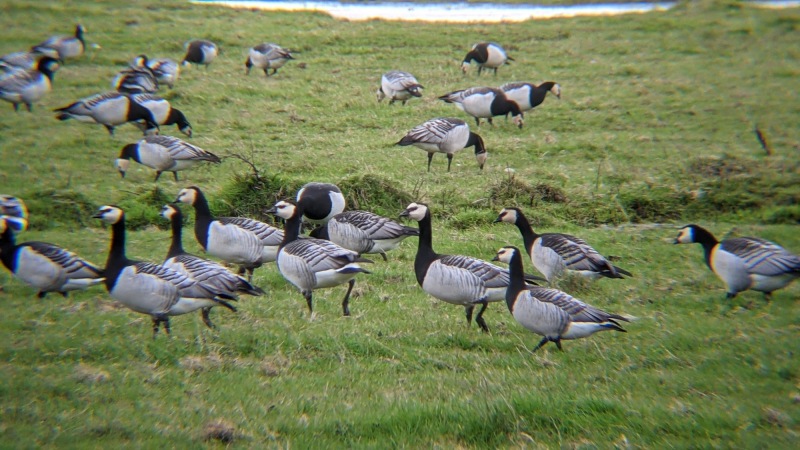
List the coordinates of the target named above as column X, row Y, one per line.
column 655, row 128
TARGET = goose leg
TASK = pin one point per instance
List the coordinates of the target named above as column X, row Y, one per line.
column 307, row 295
column 479, row 318
column 768, row 296
column 175, row 174
column 158, row 174
column 478, row 121
column 30, row 107
column 468, row 312
column 346, row 301
column 383, row 253
column 490, row 121
column 16, row 107
column 544, row 340
column 558, row 344
column 430, row 157
column 207, row 319
column 110, row 129
column 41, row 294
column 156, row 324
column 449, row 161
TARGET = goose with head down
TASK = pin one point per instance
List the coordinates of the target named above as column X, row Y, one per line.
column 163, row 154
column 489, row 55
column 109, row 109
column 445, row 135
column 485, row 103
column 398, row 86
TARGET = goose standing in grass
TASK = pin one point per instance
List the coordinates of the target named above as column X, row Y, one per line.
column 320, row 201
column 246, row 242
column 28, row 86
column 488, row 55
column 166, row 70
column 14, row 212
column 163, row 112
column 528, row 95
column 45, row 267
column 150, row 288
column 137, row 78
column 551, row 313
column 398, row 86
column 208, row 273
column 267, row 56
column 63, row 47
column 364, row 232
column 485, row 103
column 456, row 279
column 200, row 51
column 445, row 135
column 163, row 154
column 311, row 263
column 109, row 109
column 746, row 262
column 554, row 253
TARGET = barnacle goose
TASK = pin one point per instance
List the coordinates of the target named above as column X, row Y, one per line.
column 27, row 86
column 167, row 71
column 267, row 56
column 398, row 86
column 163, row 112
column 200, row 51
column 320, row 201
column 44, row 266
column 746, row 262
column 311, row 263
column 14, row 212
column 18, row 60
column 208, row 273
column 456, row 279
column 63, row 47
column 364, row 232
column 109, row 109
column 487, row 54
column 150, row 288
column 529, row 96
column 485, row 103
column 551, row 313
column 137, row 78
column 445, row 135
column 554, row 253
column 163, row 154
column 246, row 242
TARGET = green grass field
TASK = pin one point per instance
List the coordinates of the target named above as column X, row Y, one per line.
column 655, row 129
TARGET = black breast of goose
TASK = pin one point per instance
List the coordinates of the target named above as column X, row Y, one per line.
column 167, row 71
column 163, row 154
column 63, row 47
column 109, row 109
column 246, row 242
column 445, row 135
column 163, row 112
column 455, row 279
column 365, row 232
column 398, row 86
column 744, row 263
column 528, row 95
column 28, row 86
column 320, row 201
column 554, row 253
column 312, row 263
column 267, row 56
column 44, row 266
column 14, row 212
column 486, row 54
column 485, row 103
column 551, row 313
column 200, row 51
column 150, row 288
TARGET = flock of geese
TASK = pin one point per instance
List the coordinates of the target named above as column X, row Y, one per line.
column 333, row 254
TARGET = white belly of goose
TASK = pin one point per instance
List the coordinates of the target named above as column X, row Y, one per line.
column 547, row 261
column 496, row 57
column 39, row 271
column 159, row 107
column 144, row 293
column 731, row 269
column 112, row 111
column 521, row 96
column 478, row 105
column 545, row 319
column 298, row 272
column 231, row 243
column 453, row 285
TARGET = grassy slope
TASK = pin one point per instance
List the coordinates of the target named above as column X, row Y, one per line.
column 656, row 123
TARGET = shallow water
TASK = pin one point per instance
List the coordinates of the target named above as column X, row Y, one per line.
column 459, row 12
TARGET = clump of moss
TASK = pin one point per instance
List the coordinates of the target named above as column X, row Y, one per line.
column 376, row 194
column 656, row 204
column 143, row 208
column 512, row 191
column 52, row 208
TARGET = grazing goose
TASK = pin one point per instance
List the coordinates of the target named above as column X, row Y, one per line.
column 551, row 313
column 311, row 263
column 137, row 78
column 150, row 288
column 18, row 60
column 63, row 47
column 485, row 103
column 456, row 279
column 167, row 71
column 554, row 253
column 14, row 212
column 28, row 86
column 487, row 54
column 445, row 135
column 364, row 232
column 267, row 56
column 163, row 112
column 45, row 267
column 398, row 86
column 200, row 51
column 208, row 273
column 246, row 242
column 320, row 201
column 529, row 96
column 746, row 262
column 109, row 109
column 163, row 154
